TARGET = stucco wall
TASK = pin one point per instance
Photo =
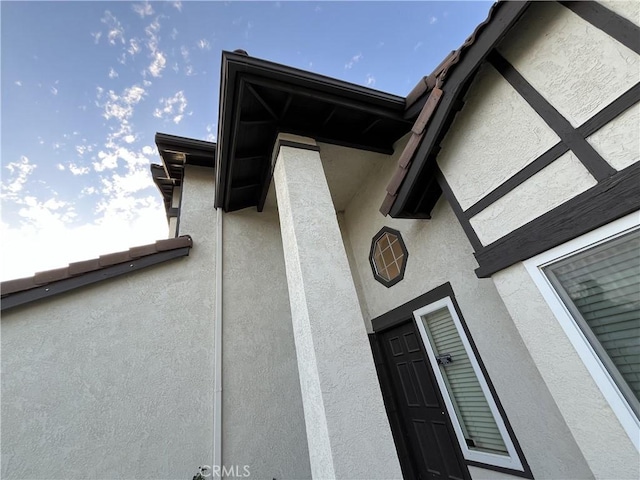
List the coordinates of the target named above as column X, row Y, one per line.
column 619, row 141
column 263, row 420
column 577, row 67
column 597, row 430
column 114, row 380
column 439, row 252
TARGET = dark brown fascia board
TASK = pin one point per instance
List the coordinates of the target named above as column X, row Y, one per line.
column 189, row 146
column 235, row 66
column 61, row 282
column 505, row 16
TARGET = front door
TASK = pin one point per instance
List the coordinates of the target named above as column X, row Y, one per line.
column 424, row 421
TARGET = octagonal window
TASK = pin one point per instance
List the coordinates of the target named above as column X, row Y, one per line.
column 388, row 256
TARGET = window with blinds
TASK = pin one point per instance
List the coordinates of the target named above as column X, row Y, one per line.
column 469, row 402
column 601, row 288
column 481, row 430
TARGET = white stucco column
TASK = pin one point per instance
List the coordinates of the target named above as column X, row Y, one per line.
column 347, row 427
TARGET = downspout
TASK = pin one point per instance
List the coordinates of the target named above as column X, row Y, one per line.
column 217, row 346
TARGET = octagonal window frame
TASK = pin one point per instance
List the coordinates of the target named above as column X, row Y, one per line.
column 403, row 267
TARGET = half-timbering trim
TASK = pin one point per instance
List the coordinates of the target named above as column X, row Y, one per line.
column 607, row 201
column 457, row 210
column 609, row 22
column 599, row 120
column 61, row 286
column 597, row 166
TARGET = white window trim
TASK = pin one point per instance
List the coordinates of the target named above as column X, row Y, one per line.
column 512, row 460
column 592, row 362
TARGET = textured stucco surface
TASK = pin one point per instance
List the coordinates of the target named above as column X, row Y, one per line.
column 115, row 380
column 347, row 427
column 550, row 187
column 263, row 421
column 608, row 450
column 628, row 9
column 619, row 141
column 577, row 67
column 495, row 124
column 439, row 252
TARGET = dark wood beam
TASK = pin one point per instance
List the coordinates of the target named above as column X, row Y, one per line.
column 261, row 100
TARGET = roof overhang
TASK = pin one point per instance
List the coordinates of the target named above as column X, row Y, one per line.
column 414, row 189
column 259, row 99
column 176, row 152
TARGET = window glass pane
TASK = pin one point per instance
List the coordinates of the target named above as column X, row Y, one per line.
column 469, row 402
column 601, row 288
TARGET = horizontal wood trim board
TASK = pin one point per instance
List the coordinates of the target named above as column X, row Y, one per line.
column 493, row 32
column 609, row 22
column 591, row 159
column 457, row 210
column 609, row 200
column 56, row 288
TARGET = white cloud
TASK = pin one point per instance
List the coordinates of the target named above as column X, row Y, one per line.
column 355, row 59
column 82, row 149
column 189, row 71
column 157, row 64
column 417, row 46
column 129, row 138
column 433, row 20
column 113, row 73
column 184, row 51
column 148, row 150
column 77, row 170
column 115, row 31
column 204, row 44
column 174, row 33
column 172, row 107
column 371, row 80
column 60, row 166
column 19, row 174
column 142, row 9
column 134, row 46
column 211, row 132
column 96, row 36
column 18, row 83
column 178, row 5
column 54, row 90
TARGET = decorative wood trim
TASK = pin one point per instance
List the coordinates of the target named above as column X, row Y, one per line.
column 607, row 201
column 457, row 210
column 623, row 30
column 493, row 32
column 591, row 159
column 55, row 288
column 517, row 179
column 625, row 101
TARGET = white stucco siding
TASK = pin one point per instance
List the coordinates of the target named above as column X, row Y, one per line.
column 114, row 380
column 577, row 67
column 619, row 141
column 263, row 420
column 552, row 186
column 604, row 443
column 495, row 135
column 439, row 252
column 628, row 9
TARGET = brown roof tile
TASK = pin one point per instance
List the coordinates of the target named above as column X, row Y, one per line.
column 81, row 268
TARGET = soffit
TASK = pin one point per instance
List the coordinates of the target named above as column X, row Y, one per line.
column 260, row 99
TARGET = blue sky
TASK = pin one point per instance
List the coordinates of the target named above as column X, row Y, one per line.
column 86, row 85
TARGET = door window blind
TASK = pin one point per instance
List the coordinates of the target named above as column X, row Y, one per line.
column 601, row 288
column 469, row 402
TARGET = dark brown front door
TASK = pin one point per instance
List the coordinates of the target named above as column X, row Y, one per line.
column 425, row 424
